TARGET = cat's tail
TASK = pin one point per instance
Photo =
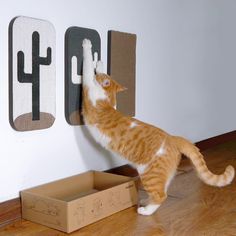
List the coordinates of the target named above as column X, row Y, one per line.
column 193, row 153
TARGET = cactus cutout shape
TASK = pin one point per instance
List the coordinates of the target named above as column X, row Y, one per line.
column 33, row 77
column 76, row 78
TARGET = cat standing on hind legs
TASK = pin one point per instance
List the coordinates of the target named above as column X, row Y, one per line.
column 154, row 152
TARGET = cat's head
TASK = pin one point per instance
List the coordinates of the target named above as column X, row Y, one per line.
column 110, row 86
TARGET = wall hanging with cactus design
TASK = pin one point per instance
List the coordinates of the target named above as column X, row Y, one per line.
column 32, row 74
column 73, row 69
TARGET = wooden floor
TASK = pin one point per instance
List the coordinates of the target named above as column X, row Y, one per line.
column 192, row 208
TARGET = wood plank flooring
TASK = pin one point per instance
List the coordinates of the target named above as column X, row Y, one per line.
column 192, row 208
column 10, row 211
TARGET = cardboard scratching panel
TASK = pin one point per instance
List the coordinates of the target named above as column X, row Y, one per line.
column 121, row 66
column 32, row 74
column 73, row 70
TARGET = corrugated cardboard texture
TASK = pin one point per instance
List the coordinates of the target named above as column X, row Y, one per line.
column 96, row 206
column 121, row 66
column 77, row 201
column 43, row 210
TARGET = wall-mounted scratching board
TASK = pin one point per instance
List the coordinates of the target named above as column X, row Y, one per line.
column 31, row 74
column 121, row 66
column 73, row 70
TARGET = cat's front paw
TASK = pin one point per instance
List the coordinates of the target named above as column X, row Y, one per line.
column 86, row 43
column 147, row 210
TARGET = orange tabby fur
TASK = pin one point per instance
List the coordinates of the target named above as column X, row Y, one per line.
column 155, row 152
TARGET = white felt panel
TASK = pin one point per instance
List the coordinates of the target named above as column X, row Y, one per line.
column 21, row 107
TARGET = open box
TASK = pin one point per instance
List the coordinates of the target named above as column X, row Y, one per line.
column 77, row 201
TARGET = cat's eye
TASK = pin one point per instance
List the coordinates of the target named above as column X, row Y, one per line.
column 106, row 83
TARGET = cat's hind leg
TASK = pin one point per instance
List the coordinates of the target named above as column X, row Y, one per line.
column 156, row 181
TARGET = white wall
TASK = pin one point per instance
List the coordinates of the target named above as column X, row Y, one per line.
column 186, row 69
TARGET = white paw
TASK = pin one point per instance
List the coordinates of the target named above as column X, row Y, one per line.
column 148, row 210
column 87, row 43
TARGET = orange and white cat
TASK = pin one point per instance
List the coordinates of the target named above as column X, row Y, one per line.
column 155, row 153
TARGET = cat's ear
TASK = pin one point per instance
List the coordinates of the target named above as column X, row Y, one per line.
column 120, row 88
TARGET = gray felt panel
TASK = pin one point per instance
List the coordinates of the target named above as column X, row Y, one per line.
column 73, row 70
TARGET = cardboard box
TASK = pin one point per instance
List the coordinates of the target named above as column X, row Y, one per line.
column 77, row 201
